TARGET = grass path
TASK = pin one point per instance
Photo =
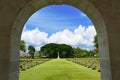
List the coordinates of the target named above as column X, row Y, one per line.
column 59, row 70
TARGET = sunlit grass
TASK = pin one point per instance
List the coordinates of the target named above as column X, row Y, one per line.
column 59, row 70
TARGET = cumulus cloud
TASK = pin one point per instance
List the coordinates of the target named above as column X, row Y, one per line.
column 34, row 37
column 81, row 37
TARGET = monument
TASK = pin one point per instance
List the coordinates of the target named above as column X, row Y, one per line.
column 58, row 56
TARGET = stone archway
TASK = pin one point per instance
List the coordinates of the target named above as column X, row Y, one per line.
column 103, row 13
column 83, row 5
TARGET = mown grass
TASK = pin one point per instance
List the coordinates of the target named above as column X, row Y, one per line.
column 59, row 70
column 92, row 63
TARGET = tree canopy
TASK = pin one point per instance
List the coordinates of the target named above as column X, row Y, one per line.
column 79, row 53
column 96, row 46
column 31, row 50
column 22, row 45
column 96, row 41
column 51, row 50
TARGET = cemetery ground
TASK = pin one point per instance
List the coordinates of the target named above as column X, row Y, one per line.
column 57, row 69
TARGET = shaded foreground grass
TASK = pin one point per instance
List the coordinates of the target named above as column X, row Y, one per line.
column 59, row 70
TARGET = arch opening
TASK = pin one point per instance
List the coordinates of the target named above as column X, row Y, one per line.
column 66, row 20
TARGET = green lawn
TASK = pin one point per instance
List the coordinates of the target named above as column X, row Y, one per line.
column 59, row 70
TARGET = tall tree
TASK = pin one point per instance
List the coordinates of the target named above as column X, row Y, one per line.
column 96, row 46
column 22, row 45
column 51, row 50
column 31, row 50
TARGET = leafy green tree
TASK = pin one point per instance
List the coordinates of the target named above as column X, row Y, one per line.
column 79, row 53
column 37, row 54
column 91, row 53
column 67, row 48
column 84, row 53
column 49, row 50
column 52, row 49
column 31, row 50
column 63, row 53
column 96, row 46
column 22, row 45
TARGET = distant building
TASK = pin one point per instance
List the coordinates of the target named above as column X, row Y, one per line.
column 23, row 54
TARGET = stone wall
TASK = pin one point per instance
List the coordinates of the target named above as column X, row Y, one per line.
column 103, row 13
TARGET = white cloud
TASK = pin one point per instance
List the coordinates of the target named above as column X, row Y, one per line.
column 80, row 37
column 34, row 37
column 84, row 35
column 61, row 37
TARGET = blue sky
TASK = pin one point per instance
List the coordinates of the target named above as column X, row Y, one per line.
column 52, row 21
column 54, row 18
